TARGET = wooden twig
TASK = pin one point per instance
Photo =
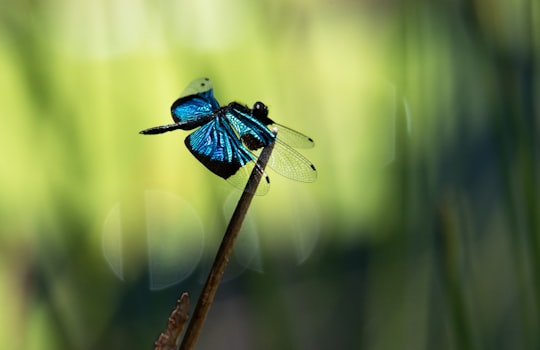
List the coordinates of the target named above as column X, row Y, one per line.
column 224, row 252
column 169, row 340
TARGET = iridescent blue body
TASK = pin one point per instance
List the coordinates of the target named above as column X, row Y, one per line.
column 228, row 137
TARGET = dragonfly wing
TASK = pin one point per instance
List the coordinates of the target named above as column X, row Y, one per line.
column 193, row 110
column 289, row 163
column 240, row 178
column 196, row 104
column 216, row 146
column 292, row 137
column 197, row 86
column 255, row 134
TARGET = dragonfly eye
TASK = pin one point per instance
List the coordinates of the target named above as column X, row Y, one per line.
column 260, row 107
column 260, row 112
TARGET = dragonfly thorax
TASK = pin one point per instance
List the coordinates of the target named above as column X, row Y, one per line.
column 251, row 142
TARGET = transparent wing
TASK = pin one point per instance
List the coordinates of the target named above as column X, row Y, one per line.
column 292, row 137
column 197, row 86
column 289, row 163
column 284, row 159
column 241, row 177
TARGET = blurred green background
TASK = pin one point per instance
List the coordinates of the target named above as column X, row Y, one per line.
column 421, row 232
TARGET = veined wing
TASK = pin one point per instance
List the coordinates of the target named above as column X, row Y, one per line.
column 197, row 86
column 292, row 137
column 241, row 177
column 195, row 107
column 255, row 134
column 217, row 147
column 287, row 162
column 196, row 103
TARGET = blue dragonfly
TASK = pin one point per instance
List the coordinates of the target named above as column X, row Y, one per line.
column 229, row 138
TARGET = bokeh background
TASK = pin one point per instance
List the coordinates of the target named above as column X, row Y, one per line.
column 421, row 232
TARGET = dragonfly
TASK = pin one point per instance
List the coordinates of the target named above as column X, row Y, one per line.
column 228, row 139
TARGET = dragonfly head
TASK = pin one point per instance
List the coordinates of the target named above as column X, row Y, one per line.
column 260, row 112
column 260, row 107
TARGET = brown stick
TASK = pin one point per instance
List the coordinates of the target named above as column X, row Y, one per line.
column 169, row 339
column 224, row 252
